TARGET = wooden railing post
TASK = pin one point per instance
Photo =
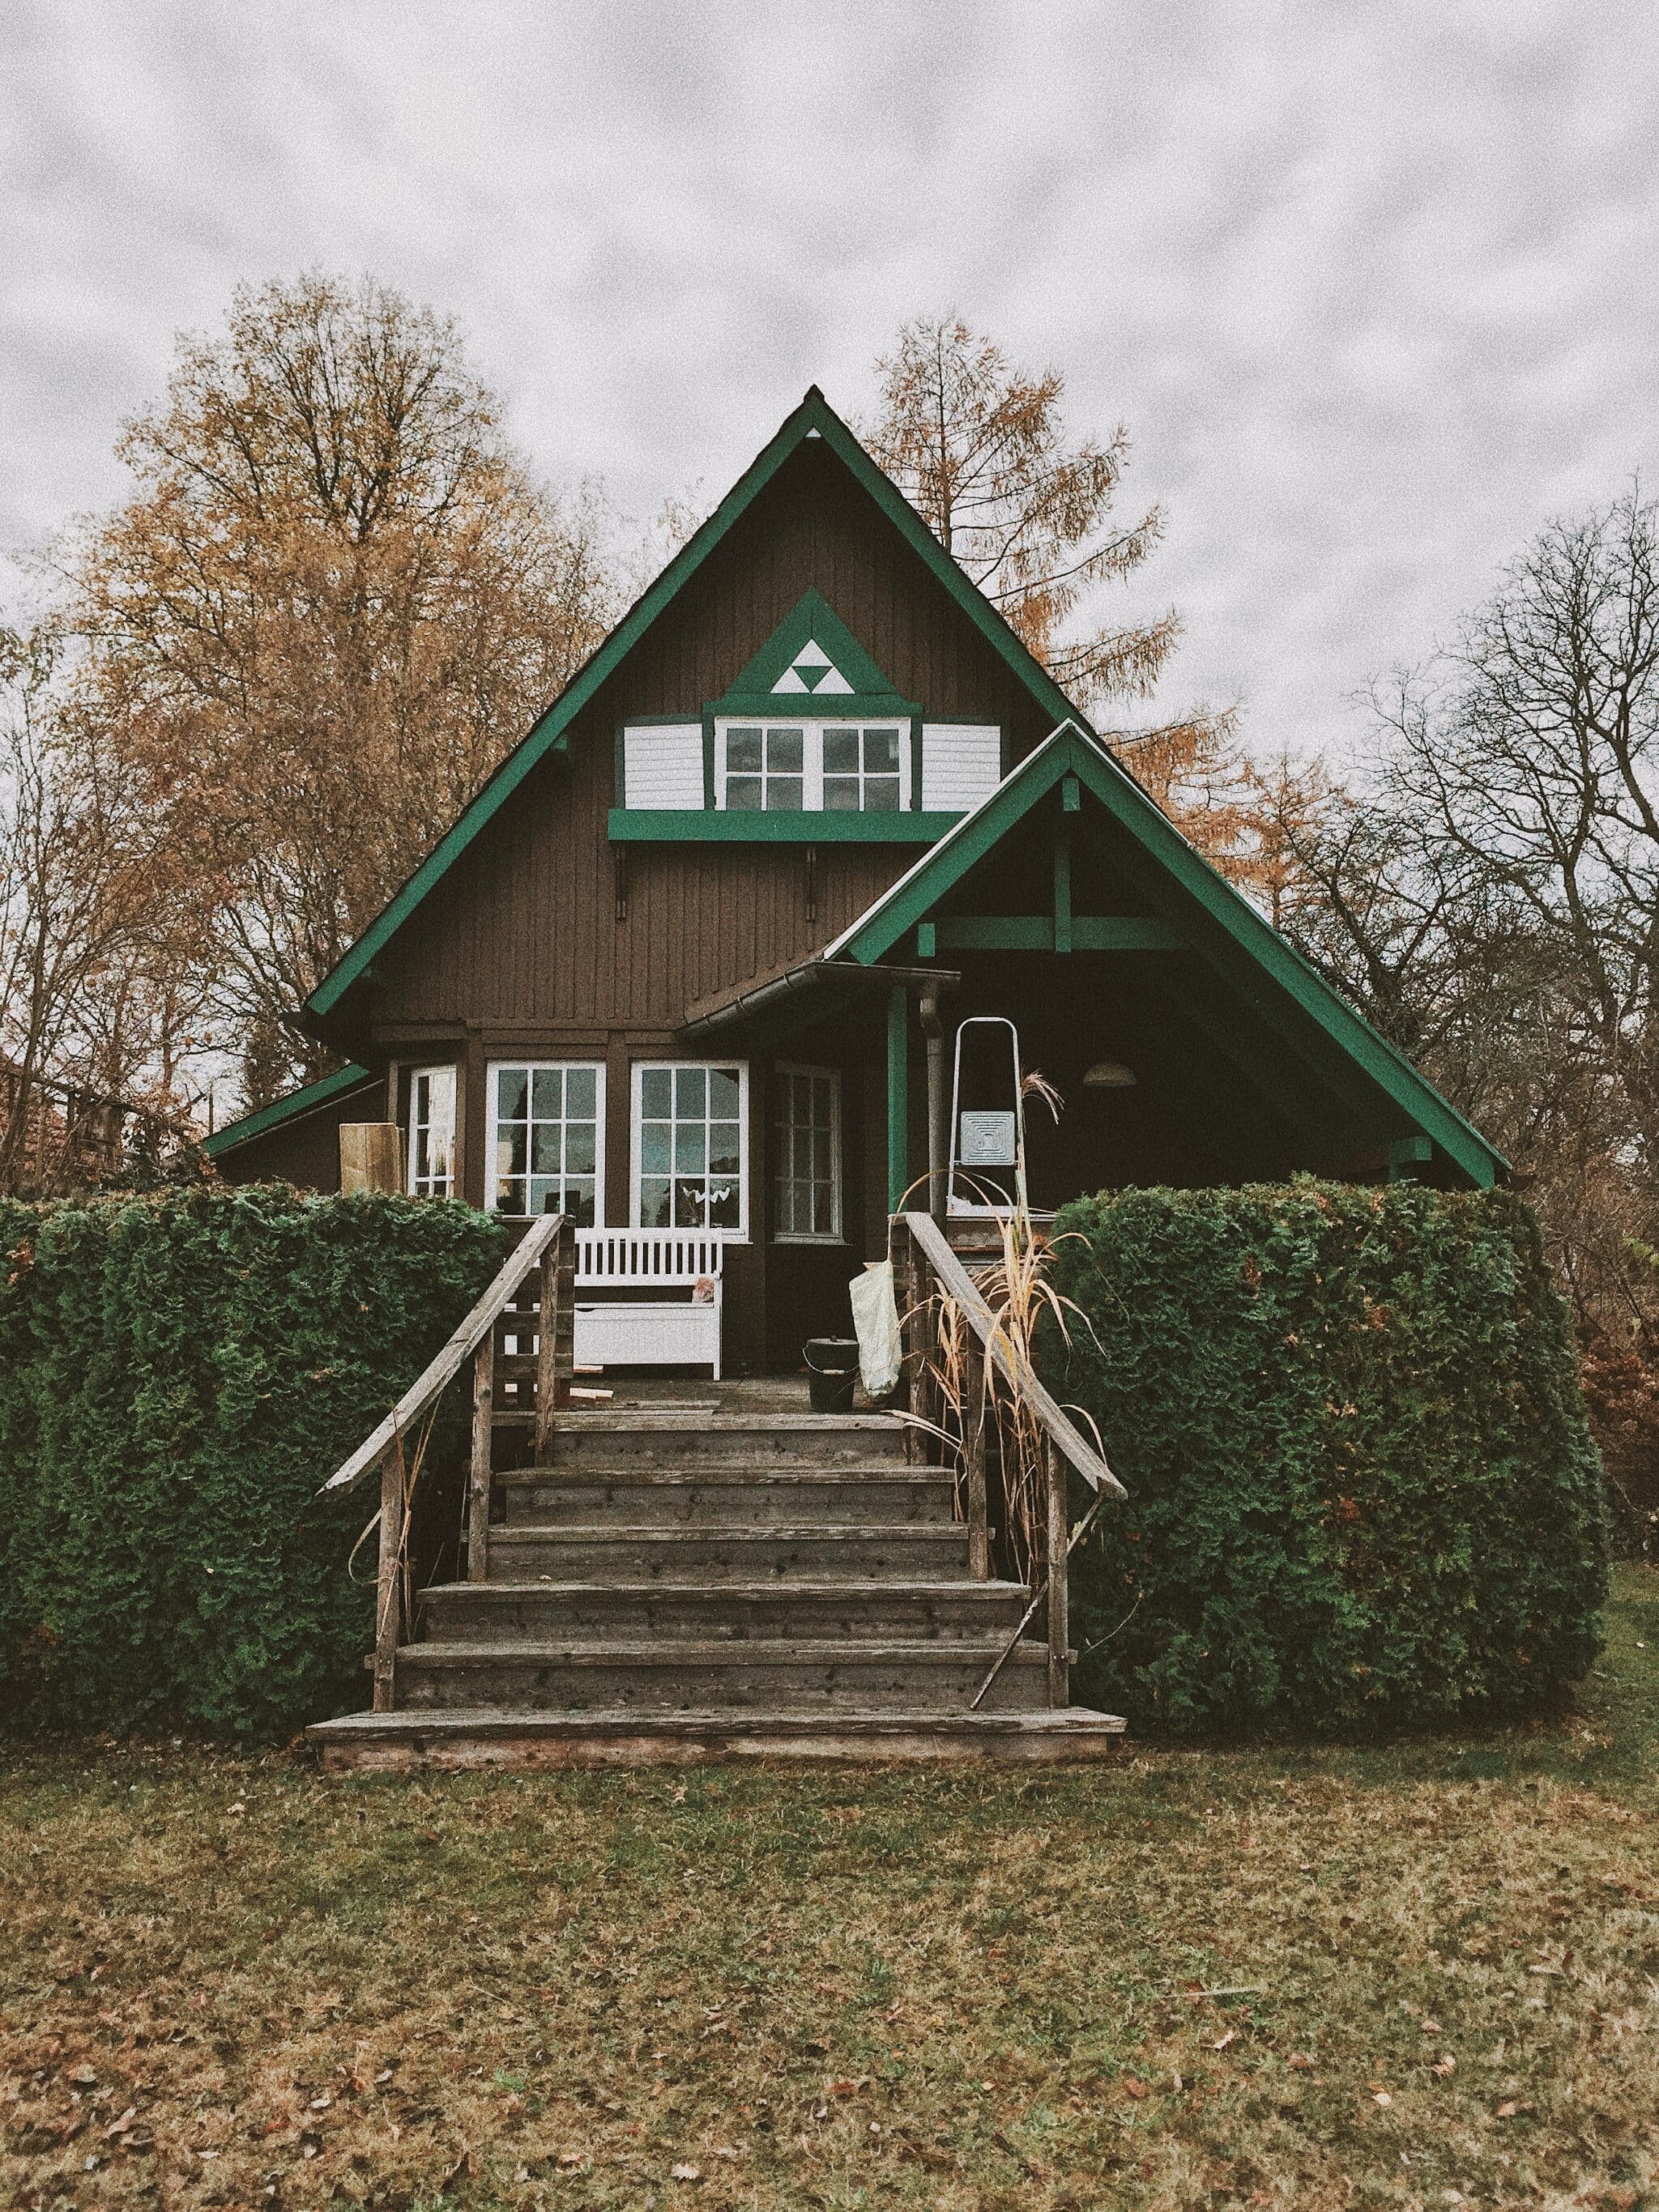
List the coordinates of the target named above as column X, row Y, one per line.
column 564, row 1318
column 1059, row 1648
column 478, row 1474
column 389, row 1581
column 974, row 1443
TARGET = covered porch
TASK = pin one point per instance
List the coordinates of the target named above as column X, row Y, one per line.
column 1184, row 1042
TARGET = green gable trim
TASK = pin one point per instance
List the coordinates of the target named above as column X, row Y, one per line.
column 813, row 621
column 1235, row 926
column 297, row 1102
column 813, row 418
column 645, row 826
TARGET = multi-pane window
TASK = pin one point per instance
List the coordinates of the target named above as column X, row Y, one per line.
column 689, row 1146
column 545, row 1136
column 840, row 768
column 432, row 1132
column 861, row 771
column 806, row 1154
column 765, row 768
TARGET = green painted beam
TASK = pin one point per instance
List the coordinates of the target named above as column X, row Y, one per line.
column 899, row 1097
column 1037, row 932
column 691, row 825
column 926, row 941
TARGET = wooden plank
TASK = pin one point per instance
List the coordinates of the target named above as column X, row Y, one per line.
column 389, row 1609
column 443, row 1368
column 959, row 1284
column 478, row 1471
column 546, row 1329
column 371, row 1156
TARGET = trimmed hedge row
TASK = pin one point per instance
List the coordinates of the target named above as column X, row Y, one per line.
column 178, row 1371
column 1363, row 1493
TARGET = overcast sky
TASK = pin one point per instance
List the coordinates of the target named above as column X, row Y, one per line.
column 1373, row 285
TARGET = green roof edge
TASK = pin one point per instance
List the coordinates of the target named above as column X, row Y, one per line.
column 547, row 734
column 310, row 1095
column 1071, row 747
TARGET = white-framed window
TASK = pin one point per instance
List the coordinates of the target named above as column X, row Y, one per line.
column 692, row 1145
column 812, row 768
column 806, row 1156
column 432, row 1132
column 546, row 1138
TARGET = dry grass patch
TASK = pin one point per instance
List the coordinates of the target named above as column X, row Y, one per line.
column 1417, row 1976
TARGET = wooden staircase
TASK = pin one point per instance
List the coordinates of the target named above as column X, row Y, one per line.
column 677, row 1585
column 739, row 1577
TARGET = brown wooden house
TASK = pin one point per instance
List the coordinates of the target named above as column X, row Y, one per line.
column 681, row 961
column 692, row 970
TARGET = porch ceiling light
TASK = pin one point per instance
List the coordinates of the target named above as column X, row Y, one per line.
column 1110, row 1075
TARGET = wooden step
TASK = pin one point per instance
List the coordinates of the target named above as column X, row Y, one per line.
column 521, row 1740
column 910, row 1611
column 820, row 1551
column 642, row 1440
column 685, row 1675
column 884, row 1491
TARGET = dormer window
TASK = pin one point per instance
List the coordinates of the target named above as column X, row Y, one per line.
column 834, row 767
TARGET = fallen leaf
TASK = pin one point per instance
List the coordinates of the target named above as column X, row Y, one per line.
column 1221, row 2041
column 1431, row 2026
column 1133, row 2088
column 120, row 2127
column 1381, row 2097
column 1445, row 2064
column 1299, row 2061
column 685, row 2171
column 1508, row 2109
column 84, row 2077
column 845, row 2087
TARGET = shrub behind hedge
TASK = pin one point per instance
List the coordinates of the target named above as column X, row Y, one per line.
column 177, row 1373
column 1363, row 1493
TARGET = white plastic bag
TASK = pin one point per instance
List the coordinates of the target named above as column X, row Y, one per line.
column 876, row 1323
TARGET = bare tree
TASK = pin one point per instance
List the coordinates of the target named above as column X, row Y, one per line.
column 98, row 991
column 334, row 603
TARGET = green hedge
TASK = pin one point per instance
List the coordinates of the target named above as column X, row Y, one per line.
column 178, row 1371
column 1363, row 1494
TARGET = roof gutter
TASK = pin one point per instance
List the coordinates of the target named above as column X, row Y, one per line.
column 745, row 1005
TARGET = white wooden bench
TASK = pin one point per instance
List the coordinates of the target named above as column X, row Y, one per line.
column 629, row 1330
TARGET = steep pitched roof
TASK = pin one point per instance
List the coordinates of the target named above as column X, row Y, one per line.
column 1226, row 920
column 814, row 417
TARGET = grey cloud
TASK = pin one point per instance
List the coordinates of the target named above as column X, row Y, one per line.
column 1372, row 289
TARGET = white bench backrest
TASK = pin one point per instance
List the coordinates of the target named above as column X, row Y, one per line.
column 672, row 1257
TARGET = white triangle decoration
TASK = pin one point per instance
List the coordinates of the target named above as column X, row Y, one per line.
column 833, row 680
column 791, row 681
column 812, row 655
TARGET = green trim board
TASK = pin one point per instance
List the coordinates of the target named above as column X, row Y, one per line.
column 687, row 826
column 1226, row 923
column 814, row 417
column 898, row 1097
column 1042, row 932
column 304, row 1101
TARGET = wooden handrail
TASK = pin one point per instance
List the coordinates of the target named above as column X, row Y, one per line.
column 958, row 1285
column 443, row 1369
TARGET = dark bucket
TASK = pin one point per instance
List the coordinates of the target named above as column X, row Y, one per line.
column 832, row 1364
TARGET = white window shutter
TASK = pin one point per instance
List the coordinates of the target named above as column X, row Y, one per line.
column 960, row 765
column 662, row 765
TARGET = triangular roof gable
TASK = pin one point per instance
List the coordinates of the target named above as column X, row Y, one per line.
column 1069, row 751
column 814, row 417
column 810, row 653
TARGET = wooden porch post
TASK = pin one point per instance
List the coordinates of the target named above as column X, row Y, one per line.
column 477, row 1490
column 975, row 1443
column 1059, row 1630
column 388, row 1601
column 899, row 1097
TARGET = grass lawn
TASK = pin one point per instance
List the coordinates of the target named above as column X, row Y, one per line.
column 1424, row 1975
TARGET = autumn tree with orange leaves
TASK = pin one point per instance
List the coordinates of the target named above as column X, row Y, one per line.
column 980, row 448
column 333, row 603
